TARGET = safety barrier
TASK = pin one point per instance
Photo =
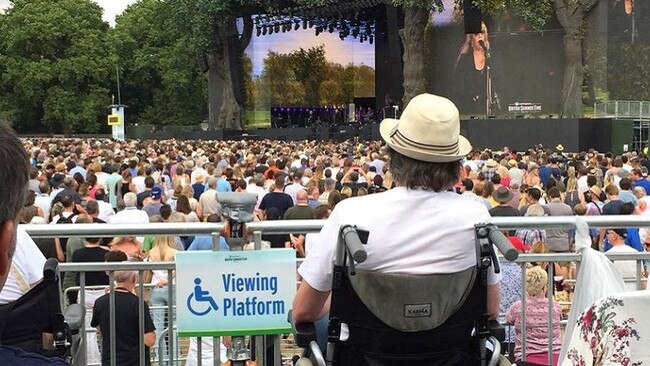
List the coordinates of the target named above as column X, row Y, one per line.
column 255, row 229
column 622, row 109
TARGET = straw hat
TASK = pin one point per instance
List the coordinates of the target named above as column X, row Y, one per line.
column 596, row 190
column 491, row 163
column 428, row 130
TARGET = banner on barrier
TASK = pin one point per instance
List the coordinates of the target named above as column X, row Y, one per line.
column 234, row 293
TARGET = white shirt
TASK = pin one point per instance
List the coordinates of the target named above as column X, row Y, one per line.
column 55, row 192
column 28, row 262
column 582, row 184
column 130, row 215
column 411, row 231
column 259, row 191
column 292, row 190
column 138, row 182
column 105, row 210
column 44, row 202
column 627, row 269
column 101, row 179
column 196, row 172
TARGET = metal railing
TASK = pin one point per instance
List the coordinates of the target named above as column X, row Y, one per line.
column 622, row 109
column 302, row 226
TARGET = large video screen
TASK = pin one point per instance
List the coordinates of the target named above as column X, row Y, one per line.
column 506, row 69
column 297, row 68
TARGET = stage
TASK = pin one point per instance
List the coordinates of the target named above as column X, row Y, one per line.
column 518, row 134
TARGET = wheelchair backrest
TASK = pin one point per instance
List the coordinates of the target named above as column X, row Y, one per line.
column 413, row 303
column 23, row 321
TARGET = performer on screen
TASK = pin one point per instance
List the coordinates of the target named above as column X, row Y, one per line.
column 471, row 71
column 624, row 12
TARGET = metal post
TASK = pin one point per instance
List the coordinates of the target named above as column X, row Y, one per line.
column 523, row 311
column 119, row 93
column 82, row 301
column 638, row 274
column 170, row 315
column 276, row 350
column 257, row 240
column 111, row 281
column 260, row 348
column 216, row 351
column 199, row 351
column 141, row 316
column 160, row 340
column 549, row 295
column 216, row 341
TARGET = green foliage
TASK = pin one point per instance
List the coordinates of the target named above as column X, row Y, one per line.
column 533, row 12
column 55, row 66
column 305, row 78
column 629, row 75
column 160, row 79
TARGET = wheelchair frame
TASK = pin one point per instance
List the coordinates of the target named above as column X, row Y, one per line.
column 350, row 247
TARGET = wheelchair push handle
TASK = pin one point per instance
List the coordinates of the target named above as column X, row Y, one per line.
column 353, row 243
column 51, row 270
column 502, row 243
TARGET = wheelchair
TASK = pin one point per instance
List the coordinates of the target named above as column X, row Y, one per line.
column 438, row 319
column 36, row 324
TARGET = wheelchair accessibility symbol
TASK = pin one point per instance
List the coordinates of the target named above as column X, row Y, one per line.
column 199, row 296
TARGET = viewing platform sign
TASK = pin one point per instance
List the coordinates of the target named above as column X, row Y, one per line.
column 234, row 293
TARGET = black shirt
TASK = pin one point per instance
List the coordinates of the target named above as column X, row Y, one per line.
column 613, row 207
column 279, row 200
column 142, row 196
column 47, row 246
column 93, row 254
column 501, row 211
column 127, row 322
column 276, row 240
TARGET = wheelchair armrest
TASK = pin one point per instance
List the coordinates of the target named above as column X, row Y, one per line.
column 304, row 333
column 74, row 316
column 497, row 330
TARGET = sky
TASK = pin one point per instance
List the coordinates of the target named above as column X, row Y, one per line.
column 343, row 52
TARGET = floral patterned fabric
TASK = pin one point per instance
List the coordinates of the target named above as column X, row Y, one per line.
column 612, row 331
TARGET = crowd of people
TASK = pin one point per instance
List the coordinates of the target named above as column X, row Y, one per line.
column 103, row 181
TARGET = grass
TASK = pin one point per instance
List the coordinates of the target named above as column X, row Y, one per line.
column 258, row 119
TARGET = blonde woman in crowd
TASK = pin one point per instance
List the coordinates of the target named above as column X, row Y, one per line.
column 188, row 192
column 127, row 244
column 537, row 312
column 164, row 250
column 572, row 196
column 532, row 176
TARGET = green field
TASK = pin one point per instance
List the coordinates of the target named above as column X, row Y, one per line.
column 258, row 119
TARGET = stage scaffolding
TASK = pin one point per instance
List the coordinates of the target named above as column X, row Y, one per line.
column 637, row 111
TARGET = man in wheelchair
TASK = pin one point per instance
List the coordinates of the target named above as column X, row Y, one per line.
column 419, row 298
column 14, row 327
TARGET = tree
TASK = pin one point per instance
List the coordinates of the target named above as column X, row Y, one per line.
column 55, row 66
column 417, row 16
column 278, row 84
column 288, row 79
column 629, row 74
column 161, row 81
column 571, row 15
column 213, row 25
